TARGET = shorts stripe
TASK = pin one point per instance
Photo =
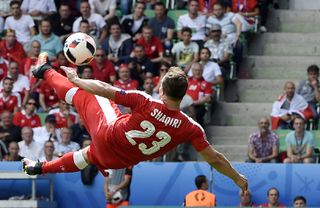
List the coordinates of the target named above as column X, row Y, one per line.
column 107, row 108
column 70, row 94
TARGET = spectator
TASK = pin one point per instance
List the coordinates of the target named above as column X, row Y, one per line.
column 126, row 6
column 28, row 116
column 38, row 9
column 13, row 152
column 193, row 20
column 79, row 132
column 62, row 22
column 148, row 87
column 48, row 98
column 11, row 49
column 48, row 150
column 152, row 45
column 299, row 201
column 117, row 187
column 246, row 199
column 164, row 67
column 9, row 101
column 65, row 117
column 162, row 26
column 3, row 67
column 117, row 45
column 8, row 131
column 4, row 153
column 309, row 88
column 230, row 26
column 85, row 72
column 300, row 144
column 97, row 23
column 273, row 198
column 246, row 11
column 211, row 70
column 66, row 145
column 132, row 24
column 61, row 61
column 85, row 28
column 221, row 51
column 28, row 147
column 86, row 142
column 107, row 9
column 31, row 60
column 289, row 106
column 5, row 8
column 125, row 82
column 103, row 69
column 50, row 43
column 47, row 132
column 207, row 198
column 20, row 82
column 22, row 24
column 140, row 66
column 185, row 52
column 200, row 91
column 263, row 145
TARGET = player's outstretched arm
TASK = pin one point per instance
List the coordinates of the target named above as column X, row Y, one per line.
column 92, row 86
column 221, row 164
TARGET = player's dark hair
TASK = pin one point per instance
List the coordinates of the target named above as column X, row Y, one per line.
column 186, row 29
column 273, row 188
column 199, row 180
column 175, row 83
column 300, row 198
column 313, row 68
column 15, row 2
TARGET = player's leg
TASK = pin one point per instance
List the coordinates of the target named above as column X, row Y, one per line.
column 69, row 162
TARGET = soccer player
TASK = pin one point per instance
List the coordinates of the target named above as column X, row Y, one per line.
column 119, row 141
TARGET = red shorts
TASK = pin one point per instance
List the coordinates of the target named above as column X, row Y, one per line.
column 97, row 113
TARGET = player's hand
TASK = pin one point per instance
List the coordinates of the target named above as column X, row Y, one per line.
column 71, row 73
column 242, row 182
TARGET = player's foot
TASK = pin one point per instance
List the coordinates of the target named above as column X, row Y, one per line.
column 41, row 66
column 32, row 167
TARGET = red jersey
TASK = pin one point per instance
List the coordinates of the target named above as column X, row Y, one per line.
column 104, row 73
column 15, row 53
column 50, row 95
column 149, row 132
column 198, row 88
column 22, row 120
column 3, row 69
column 243, row 5
column 62, row 121
column 8, row 103
column 153, row 48
column 128, row 85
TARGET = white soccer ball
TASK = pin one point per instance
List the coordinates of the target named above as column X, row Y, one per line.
column 116, row 198
column 79, row 48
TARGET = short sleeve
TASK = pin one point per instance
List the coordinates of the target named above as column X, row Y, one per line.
column 199, row 139
column 179, row 24
column 131, row 98
column 30, row 21
column 171, row 24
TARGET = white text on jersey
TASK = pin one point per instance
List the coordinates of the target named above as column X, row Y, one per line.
column 167, row 120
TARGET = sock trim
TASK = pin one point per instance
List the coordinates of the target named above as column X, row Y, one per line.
column 69, row 95
column 79, row 160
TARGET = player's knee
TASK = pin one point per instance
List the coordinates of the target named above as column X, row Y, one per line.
column 80, row 159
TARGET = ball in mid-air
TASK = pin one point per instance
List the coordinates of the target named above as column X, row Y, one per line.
column 79, row 48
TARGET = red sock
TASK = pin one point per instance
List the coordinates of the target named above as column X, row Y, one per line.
column 63, row 164
column 60, row 83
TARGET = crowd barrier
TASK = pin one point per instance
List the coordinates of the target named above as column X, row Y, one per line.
column 166, row 184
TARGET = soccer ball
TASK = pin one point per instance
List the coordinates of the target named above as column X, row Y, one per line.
column 79, row 48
